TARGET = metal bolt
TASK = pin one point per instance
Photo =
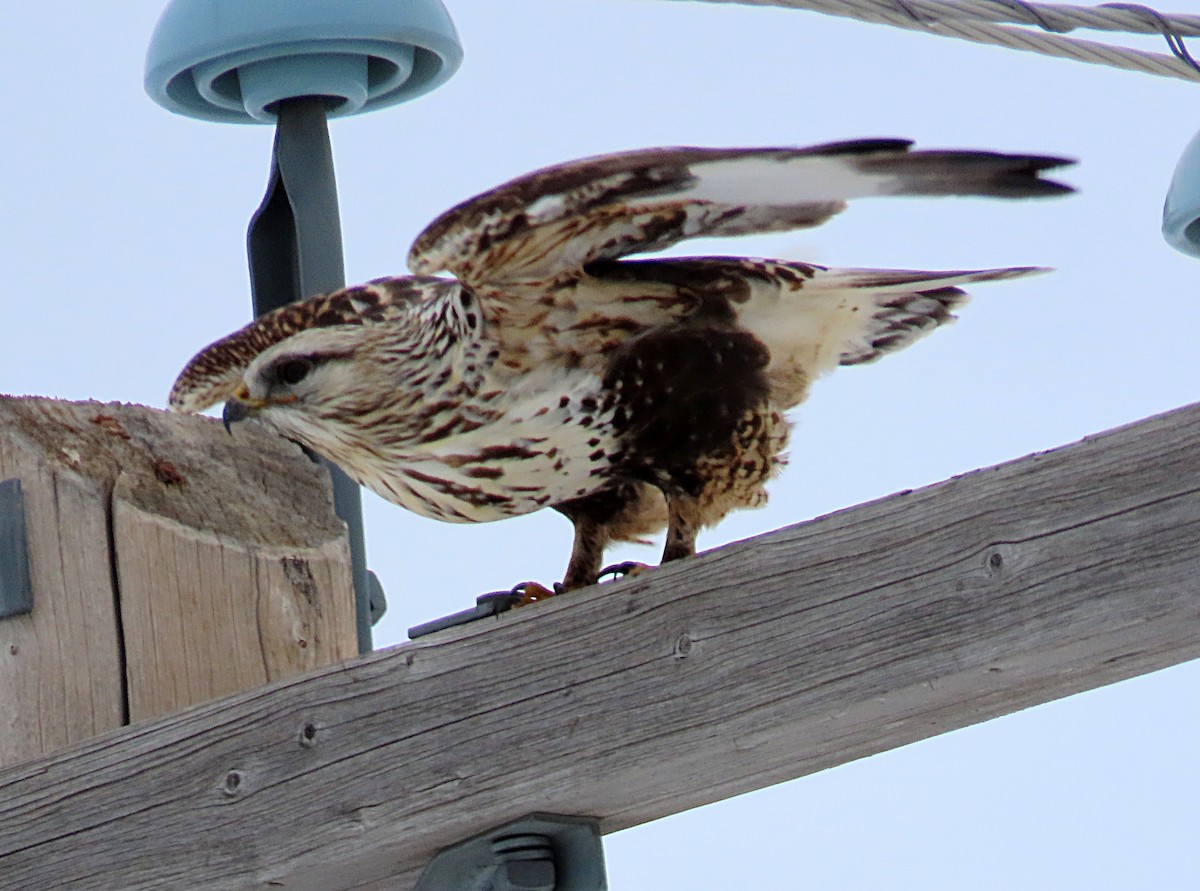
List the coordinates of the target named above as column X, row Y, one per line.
column 526, row 863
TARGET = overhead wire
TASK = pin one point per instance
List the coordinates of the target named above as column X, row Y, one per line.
column 1029, row 26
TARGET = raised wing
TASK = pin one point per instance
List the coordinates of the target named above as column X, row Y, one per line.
column 810, row 318
column 216, row 371
column 557, row 220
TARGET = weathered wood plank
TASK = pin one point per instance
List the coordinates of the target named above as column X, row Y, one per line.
column 171, row 564
column 60, row 665
column 756, row 663
column 206, row 615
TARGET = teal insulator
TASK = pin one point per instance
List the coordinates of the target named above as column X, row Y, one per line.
column 233, row 60
column 1181, row 211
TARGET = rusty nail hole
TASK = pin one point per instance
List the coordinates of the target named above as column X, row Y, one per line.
column 168, row 474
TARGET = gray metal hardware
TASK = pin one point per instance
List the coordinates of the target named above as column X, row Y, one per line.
column 540, row 852
column 295, row 247
column 16, row 587
column 490, row 604
column 377, row 599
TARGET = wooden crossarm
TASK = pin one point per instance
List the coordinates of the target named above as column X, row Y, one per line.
column 753, row 664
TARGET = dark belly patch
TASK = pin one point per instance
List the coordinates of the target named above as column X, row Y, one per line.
column 680, row 396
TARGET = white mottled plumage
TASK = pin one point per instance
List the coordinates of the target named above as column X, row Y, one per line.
column 551, row 371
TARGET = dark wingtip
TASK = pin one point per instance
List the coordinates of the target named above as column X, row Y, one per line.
column 858, row 146
column 1026, row 180
column 1038, row 164
column 971, row 172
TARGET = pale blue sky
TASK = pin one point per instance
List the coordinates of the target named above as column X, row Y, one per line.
column 124, row 252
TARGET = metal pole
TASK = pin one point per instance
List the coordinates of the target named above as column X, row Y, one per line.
column 294, row 243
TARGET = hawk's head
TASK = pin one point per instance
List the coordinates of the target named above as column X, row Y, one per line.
column 323, row 334
column 319, row 386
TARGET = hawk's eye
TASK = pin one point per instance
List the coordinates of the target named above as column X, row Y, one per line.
column 293, row 371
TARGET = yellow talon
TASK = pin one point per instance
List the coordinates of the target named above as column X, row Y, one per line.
column 532, row 592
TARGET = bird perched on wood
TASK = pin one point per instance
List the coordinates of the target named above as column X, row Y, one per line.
column 550, row 371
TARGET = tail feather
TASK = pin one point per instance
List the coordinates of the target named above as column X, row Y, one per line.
column 900, row 306
column 813, row 319
column 901, row 319
column 889, row 280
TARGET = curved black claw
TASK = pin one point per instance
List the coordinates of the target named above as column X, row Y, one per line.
column 628, row 569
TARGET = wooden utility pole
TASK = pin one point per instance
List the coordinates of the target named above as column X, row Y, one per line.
column 171, row 564
column 744, row 667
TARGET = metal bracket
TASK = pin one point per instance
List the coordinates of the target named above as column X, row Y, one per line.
column 540, row 852
column 491, row 604
column 295, row 248
column 377, row 600
column 495, row 602
column 16, row 587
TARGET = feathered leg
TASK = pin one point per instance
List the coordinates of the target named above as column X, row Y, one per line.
column 684, row 520
column 587, row 553
column 600, row 518
column 683, row 525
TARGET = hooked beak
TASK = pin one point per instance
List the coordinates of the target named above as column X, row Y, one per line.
column 234, row 411
column 239, row 407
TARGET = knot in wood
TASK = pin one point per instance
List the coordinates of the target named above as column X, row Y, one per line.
column 683, row 646
column 308, row 734
column 233, row 783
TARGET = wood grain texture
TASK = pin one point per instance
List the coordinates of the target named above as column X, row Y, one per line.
column 60, row 665
column 753, row 664
column 171, row 564
column 205, row 615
